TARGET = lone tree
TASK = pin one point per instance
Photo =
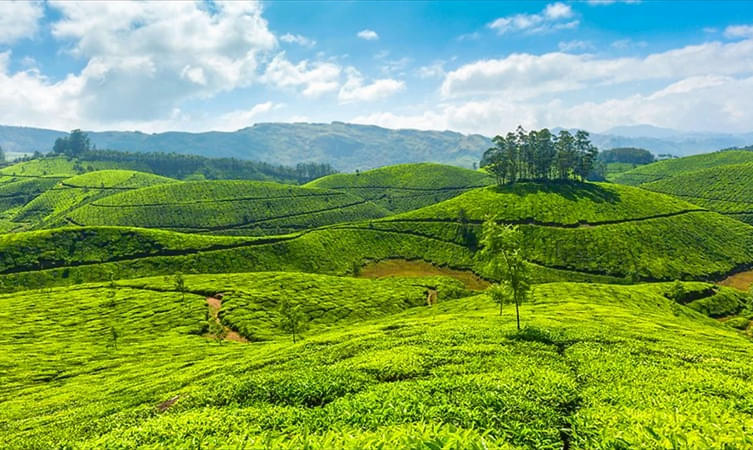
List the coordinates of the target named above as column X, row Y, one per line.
column 292, row 318
column 2, row 155
column 501, row 247
column 180, row 285
column 76, row 143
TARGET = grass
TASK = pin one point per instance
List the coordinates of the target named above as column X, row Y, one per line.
column 229, row 207
column 15, row 192
column 673, row 167
column 405, row 187
column 49, row 208
column 725, row 189
column 596, row 366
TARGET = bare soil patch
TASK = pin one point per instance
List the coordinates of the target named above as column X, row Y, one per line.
column 740, row 280
column 406, row 268
column 215, row 304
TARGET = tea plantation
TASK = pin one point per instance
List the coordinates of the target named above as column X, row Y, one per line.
column 140, row 311
column 407, row 186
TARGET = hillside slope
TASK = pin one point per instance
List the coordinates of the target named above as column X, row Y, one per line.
column 673, row 167
column 725, row 189
column 224, row 206
column 594, row 228
column 80, row 190
column 406, row 186
column 132, row 364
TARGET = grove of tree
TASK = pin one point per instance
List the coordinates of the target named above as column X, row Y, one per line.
column 540, row 155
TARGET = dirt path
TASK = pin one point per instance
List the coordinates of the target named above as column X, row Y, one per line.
column 740, row 280
column 406, row 268
column 215, row 304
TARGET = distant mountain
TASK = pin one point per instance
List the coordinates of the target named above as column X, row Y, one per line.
column 348, row 146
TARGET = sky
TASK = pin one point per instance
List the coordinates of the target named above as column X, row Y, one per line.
column 474, row 67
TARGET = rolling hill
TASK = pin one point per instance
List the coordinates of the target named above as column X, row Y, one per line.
column 225, row 206
column 108, row 366
column 406, row 186
column 74, row 192
column 673, row 167
column 725, row 189
column 573, row 231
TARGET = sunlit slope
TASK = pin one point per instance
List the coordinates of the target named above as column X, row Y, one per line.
column 726, row 189
column 15, row 192
column 457, row 374
column 595, row 228
column 226, row 207
column 406, row 186
column 49, row 208
column 674, row 167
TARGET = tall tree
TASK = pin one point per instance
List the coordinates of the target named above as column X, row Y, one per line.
column 291, row 318
column 502, row 249
column 2, row 155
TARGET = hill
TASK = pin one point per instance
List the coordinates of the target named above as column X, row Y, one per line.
column 74, row 192
column 597, row 228
column 573, row 231
column 406, row 186
column 135, row 363
column 673, row 167
column 225, row 206
column 725, row 189
column 345, row 146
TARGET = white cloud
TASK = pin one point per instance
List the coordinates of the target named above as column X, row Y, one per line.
column 738, row 31
column 238, row 119
column 143, row 58
column 433, row 70
column 298, row 39
column 315, row 78
column 369, row 35
column 19, row 19
column 354, row 89
column 551, row 18
column 609, row 2
column 694, row 104
column 571, row 46
column 524, row 75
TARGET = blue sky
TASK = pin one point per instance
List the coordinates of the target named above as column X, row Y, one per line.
column 476, row 67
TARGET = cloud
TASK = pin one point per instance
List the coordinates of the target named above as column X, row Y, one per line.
column 738, row 31
column 694, row 104
column 369, row 35
column 354, row 89
column 315, row 78
column 298, row 39
column 610, row 2
column 238, row 119
column 571, row 46
column 143, row 58
column 19, row 20
column 433, row 70
column 552, row 17
column 524, row 75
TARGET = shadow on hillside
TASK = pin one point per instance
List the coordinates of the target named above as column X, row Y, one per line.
column 570, row 190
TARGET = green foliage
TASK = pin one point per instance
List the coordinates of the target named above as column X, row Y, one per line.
column 405, row 187
column 291, row 318
column 628, row 155
column 231, row 207
column 674, row 167
column 76, row 143
column 501, row 249
column 725, row 189
column 580, row 372
column 539, row 155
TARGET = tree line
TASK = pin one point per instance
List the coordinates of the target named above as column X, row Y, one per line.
column 184, row 166
column 539, row 155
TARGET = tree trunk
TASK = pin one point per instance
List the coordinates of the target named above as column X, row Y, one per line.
column 500, row 309
column 517, row 313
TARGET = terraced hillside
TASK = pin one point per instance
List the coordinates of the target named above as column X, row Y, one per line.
column 225, row 207
column 136, row 364
column 601, row 229
column 49, row 208
column 674, row 167
column 575, row 232
column 726, row 189
column 15, row 192
column 406, row 186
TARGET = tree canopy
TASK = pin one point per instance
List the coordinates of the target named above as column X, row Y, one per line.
column 540, row 155
column 630, row 155
column 76, row 143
